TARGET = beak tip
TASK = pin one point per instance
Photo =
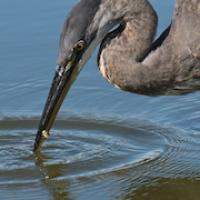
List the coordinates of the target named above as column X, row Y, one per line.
column 45, row 134
column 40, row 138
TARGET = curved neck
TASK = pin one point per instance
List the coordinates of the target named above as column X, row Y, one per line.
column 134, row 36
column 122, row 50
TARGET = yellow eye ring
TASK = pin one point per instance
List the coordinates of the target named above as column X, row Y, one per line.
column 80, row 45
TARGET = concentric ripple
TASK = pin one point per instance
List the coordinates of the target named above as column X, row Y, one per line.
column 81, row 148
column 86, row 147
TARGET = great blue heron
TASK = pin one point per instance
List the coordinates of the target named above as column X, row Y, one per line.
column 128, row 57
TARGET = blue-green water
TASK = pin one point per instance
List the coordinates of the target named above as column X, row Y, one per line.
column 106, row 144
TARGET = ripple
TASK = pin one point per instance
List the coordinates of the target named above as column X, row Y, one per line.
column 86, row 147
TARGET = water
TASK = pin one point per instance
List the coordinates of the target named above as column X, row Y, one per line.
column 106, row 144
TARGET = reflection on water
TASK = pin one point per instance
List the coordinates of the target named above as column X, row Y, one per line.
column 168, row 189
column 57, row 189
column 109, row 159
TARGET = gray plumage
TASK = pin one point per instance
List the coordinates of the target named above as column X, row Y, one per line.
column 128, row 57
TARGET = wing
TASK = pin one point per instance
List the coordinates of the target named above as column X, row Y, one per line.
column 184, row 39
column 185, row 29
column 176, row 62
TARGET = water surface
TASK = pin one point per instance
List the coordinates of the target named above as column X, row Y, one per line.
column 106, row 144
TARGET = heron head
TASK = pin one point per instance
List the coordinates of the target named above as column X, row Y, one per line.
column 85, row 27
column 74, row 35
column 87, row 24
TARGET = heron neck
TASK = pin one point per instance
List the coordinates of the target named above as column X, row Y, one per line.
column 122, row 51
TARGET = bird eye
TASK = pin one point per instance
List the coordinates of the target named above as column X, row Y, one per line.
column 80, row 45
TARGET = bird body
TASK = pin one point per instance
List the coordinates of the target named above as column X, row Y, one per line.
column 172, row 68
column 129, row 57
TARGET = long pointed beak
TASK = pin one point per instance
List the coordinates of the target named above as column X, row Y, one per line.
column 62, row 81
